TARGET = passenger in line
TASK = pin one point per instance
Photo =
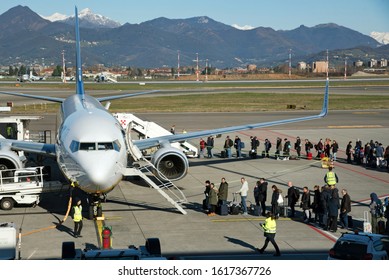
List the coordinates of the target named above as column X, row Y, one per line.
column 243, row 194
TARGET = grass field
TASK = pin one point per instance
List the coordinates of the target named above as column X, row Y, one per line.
column 232, row 101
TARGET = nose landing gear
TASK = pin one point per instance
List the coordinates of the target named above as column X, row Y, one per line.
column 95, row 209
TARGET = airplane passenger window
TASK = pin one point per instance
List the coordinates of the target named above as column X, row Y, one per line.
column 88, row 146
column 105, row 146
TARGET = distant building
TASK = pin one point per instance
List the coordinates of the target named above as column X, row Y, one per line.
column 319, row 67
column 383, row 63
column 372, row 63
column 251, row 67
column 358, row 63
column 301, row 66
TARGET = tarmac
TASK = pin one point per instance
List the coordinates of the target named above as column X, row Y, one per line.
column 136, row 212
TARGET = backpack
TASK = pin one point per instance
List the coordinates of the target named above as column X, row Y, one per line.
column 241, row 145
column 379, row 210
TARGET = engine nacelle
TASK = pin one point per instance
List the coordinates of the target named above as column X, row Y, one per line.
column 171, row 162
column 9, row 159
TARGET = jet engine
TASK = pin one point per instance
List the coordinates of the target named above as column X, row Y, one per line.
column 8, row 158
column 170, row 162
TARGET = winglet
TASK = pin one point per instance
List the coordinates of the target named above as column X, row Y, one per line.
column 79, row 82
column 324, row 110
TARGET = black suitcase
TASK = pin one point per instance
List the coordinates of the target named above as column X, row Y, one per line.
column 255, row 210
column 205, row 204
column 222, row 210
column 381, row 227
column 223, row 154
column 234, row 209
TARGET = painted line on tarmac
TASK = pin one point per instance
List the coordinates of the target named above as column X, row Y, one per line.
column 246, row 219
column 355, row 126
column 326, row 234
column 342, row 165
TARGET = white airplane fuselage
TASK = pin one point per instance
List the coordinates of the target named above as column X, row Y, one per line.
column 90, row 148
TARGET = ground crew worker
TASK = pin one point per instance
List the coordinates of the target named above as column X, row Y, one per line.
column 269, row 228
column 9, row 132
column 331, row 179
column 77, row 218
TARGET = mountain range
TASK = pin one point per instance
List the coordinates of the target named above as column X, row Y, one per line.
column 26, row 37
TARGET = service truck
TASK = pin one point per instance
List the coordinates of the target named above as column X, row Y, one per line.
column 24, row 186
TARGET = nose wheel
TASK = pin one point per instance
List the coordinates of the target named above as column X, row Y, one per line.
column 95, row 209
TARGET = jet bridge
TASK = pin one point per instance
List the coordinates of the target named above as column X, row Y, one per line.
column 146, row 129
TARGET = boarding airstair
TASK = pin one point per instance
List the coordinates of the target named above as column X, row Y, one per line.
column 143, row 168
column 146, row 129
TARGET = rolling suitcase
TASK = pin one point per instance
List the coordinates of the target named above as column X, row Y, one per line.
column 381, row 227
column 234, row 208
column 350, row 221
column 222, row 209
column 255, row 210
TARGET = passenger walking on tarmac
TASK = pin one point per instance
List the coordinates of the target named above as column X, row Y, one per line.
column 345, row 208
column 243, row 194
column 228, row 143
column 349, row 151
column 286, row 150
column 325, row 196
column 335, row 148
column 333, row 209
column 212, row 200
column 293, row 196
column 319, row 148
column 278, row 147
column 267, row 147
column 308, row 146
column 223, row 192
column 206, row 199
column 210, row 143
column 331, row 179
column 238, row 147
column 275, row 207
column 77, row 218
column 202, row 147
column 263, row 195
column 297, row 146
column 306, row 204
column 270, row 228
column 374, row 206
column 316, row 209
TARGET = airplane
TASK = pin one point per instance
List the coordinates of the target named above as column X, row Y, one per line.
column 91, row 148
column 36, row 78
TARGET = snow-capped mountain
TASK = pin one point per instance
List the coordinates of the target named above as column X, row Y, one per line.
column 381, row 37
column 87, row 19
column 245, row 27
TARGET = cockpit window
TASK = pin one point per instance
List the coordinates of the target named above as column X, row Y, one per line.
column 105, row 146
column 74, row 146
column 116, row 145
column 88, row 146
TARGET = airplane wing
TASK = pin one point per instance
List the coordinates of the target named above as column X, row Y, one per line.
column 107, row 98
column 48, row 98
column 152, row 142
column 30, row 147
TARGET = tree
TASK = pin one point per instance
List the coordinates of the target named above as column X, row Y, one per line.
column 57, row 71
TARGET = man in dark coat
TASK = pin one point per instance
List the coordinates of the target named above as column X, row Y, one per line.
column 325, row 196
column 333, row 209
column 293, row 196
column 223, row 192
column 345, row 207
column 262, row 195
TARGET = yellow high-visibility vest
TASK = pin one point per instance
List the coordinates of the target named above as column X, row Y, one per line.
column 331, row 179
column 270, row 225
column 77, row 213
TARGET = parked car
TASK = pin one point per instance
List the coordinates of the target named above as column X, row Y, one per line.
column 360, row 246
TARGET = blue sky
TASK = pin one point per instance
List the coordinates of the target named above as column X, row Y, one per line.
column 364, row 16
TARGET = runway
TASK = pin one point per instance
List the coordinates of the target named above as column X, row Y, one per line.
column 136, row 212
